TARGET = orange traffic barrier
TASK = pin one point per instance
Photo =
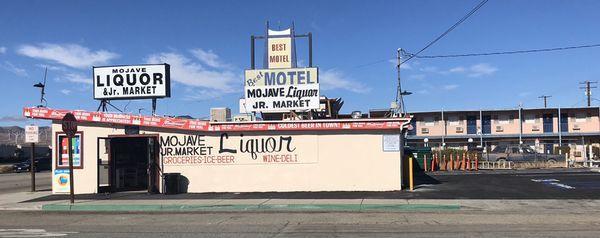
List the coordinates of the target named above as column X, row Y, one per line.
column 445, row 163
column 463, row 165
column 468, row 162
column 476, row 162
column 425, row 163
column 451, row 162
column 433, row 162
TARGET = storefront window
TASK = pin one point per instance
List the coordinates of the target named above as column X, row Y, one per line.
column 62, row 158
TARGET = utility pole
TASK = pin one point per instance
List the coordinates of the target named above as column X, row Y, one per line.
column 545, row 97
column 588, row 91
column 401, row 109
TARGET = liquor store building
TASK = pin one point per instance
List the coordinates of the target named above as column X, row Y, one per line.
column 120, row 152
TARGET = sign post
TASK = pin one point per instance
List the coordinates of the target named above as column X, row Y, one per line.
column 32, row 136
column 69, row 127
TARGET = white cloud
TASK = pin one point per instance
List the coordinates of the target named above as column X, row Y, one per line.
column 72, row 55
column 76, row 78
column 423, row 91
column 202, row 95
column 2, row 50
column 335, row 79
column 12, row 118
column 209, row 58
column 14, row 69
column 450, row 87
column 457, row 70
column 473, row 71
column 417, row 77
column 482, row 69
column 184, row 70
column 524, row 94
column 65, row 91
column 51, row 67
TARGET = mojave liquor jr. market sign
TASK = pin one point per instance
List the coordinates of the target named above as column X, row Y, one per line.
column 237, row 148
column 281, row 90
column 132, row 81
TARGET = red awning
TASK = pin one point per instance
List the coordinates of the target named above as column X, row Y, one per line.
column 200, row 125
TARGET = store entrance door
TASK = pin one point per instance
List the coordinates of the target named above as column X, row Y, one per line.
column 132, row 164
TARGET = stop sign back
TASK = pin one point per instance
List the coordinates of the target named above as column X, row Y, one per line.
column 69, row 124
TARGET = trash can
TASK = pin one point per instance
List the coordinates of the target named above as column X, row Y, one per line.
column 171, row 183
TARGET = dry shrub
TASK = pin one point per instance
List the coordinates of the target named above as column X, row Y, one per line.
column 5, row 169
column 538, row 165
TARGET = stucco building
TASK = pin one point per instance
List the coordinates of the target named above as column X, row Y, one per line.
column 573, row 131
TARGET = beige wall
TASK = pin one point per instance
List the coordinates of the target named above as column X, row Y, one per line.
column 323, row 161
column 85, row 179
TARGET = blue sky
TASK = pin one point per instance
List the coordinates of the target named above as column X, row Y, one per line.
column 207, row 45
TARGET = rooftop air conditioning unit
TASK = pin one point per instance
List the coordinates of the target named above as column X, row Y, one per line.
column 220, row 114
column 459, row 129
column 535, row 128
column 424, row 130
column 576, row 127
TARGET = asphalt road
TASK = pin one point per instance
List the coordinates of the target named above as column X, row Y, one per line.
column 21, row 182
column 408, row 224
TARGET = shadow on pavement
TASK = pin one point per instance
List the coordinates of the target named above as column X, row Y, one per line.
column 533, row 184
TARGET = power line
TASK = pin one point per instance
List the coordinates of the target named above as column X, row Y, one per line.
column 508, row 52
column 447, row 31
column 541, row 50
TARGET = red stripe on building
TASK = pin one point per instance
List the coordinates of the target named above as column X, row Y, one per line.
column 200, row 125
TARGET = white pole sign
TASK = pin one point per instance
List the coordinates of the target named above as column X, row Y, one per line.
column 31, row 134
column 279, row 49
column 132, row 82
column 281, row 90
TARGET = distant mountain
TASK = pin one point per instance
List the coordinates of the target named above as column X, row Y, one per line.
column 11, row 135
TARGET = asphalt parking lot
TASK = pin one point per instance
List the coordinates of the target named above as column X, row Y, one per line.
column 525, row 184
column 519, row 184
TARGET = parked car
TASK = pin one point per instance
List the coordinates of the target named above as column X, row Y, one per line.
column 42, row 163
column 520, row 153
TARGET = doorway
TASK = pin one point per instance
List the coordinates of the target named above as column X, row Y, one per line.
column 128, row 163
column 548, row 123
column 471, row 125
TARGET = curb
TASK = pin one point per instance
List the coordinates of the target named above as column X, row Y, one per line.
column 243, row 208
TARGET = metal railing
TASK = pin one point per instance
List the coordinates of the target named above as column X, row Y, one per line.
column 496, row 165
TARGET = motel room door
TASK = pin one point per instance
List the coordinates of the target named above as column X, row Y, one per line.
column 103, row 146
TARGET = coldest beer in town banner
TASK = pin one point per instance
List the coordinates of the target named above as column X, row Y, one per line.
column 281, row 90
column 132, row 82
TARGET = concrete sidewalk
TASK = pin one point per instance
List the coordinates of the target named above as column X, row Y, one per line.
column 126, row 202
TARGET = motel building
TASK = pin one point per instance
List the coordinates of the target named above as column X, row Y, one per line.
column 300, row 144
column 573, row 131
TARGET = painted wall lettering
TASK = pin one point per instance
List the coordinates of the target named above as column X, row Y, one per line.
column 232, row 149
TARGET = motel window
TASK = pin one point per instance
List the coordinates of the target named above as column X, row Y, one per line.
column 429, row 121
column 531, row 119
column 580, row 117
column 62, row 150
column 505, row 119
column 454, row 121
